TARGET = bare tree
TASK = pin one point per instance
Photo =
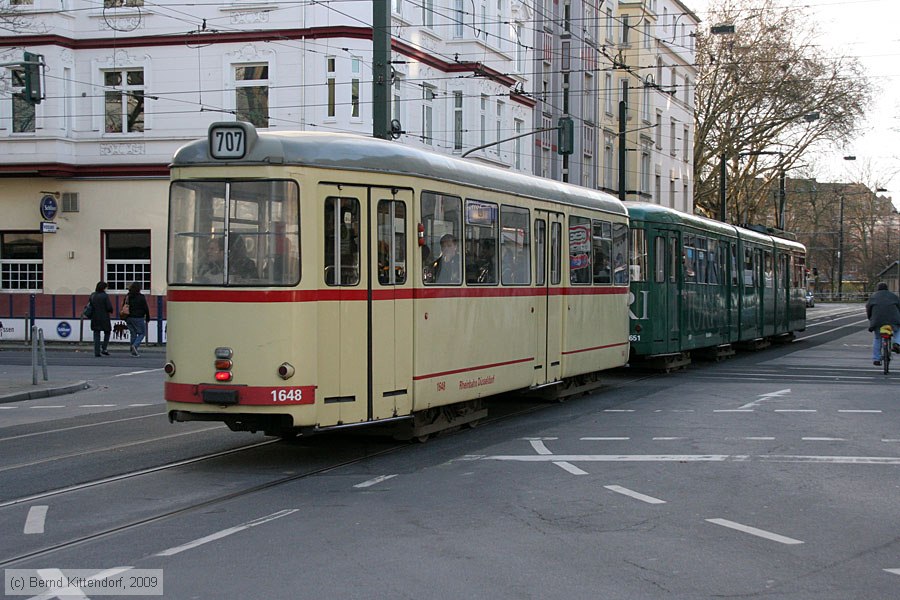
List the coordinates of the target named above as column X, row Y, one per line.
column 13, row 19
column 766, row 94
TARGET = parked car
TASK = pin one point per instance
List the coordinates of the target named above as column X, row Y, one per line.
column 810, row 300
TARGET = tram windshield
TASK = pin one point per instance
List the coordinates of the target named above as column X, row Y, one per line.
column 234, row 233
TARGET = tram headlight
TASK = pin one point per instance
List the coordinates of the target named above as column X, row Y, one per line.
column 285, row 370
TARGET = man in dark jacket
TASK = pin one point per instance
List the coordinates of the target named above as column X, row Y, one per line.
column 883, row 308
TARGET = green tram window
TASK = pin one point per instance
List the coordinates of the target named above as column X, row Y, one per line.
column 619, row 252
column 659, row 259
column 638, row 257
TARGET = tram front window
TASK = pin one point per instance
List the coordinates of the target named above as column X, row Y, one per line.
column 239, row 233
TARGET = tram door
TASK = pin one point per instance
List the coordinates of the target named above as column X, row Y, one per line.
column 672, row 296
column 364, row 320
column 549, row 305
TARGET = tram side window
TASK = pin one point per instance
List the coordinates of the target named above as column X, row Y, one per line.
column 638, row 259
column 690, row 259
column 391, row 242
column 769, row 274
column 619, row 252
column 749, row 271
column 341, row 241
column 481, row 242
column 734, row 270
column 659, row 259
column 515, row 246
column 601, row 243
column 555, row 253
column 540, row 251
column 701, row 259
column 579, row 250
column 784, row 277
column 712, row 265
column 442, row 224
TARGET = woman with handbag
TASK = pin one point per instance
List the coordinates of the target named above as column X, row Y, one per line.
column 100, row 318
column 138, row 316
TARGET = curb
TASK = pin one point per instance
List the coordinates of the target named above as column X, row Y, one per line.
column 70, row 388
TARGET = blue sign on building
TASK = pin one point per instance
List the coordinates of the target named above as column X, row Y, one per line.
column 49, row 208
column 64, row 329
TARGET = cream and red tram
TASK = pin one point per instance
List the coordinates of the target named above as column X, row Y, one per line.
column 307, row 287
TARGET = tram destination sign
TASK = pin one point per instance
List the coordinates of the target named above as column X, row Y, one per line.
column 227, row 141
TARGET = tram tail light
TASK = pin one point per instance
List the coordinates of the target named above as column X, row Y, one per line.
column 420, row 234
column 224, row 364
column 637, row 328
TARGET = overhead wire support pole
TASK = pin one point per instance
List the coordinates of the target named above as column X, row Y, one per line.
column 381, row 69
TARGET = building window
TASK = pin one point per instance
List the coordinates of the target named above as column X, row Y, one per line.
column 398, row 7
column 252, row 94
column 518, row 142
column 645, row 169
column 499, row 123
column 587, row 139
column 672, row 141
column 331, row 82
column 126, row 259
column 625, row 28
column 124, row 101
column 457, row 120
column 609, row 167
column 459, row 18
column 686, row 146
column 356, row 66
column 520, row 48
column 397, row 111
column 23, row 113
column 609, row 94
column 21, row 262
column 428, row 13
column 427, row 114
column 483, row 115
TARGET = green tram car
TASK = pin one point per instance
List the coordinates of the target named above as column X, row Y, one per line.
column 700, row 286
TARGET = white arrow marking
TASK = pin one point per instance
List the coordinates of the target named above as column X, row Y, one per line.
column 763, row 397
column 70, row 592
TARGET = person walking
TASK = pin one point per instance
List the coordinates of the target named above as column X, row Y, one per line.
column 138, row 316
column 100, row 318
column 883, row 308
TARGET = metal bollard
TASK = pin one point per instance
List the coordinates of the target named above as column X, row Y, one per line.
column 38, row 352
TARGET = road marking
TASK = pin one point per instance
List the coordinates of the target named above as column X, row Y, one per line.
column 570, row 468
column 806, row 337
column 760, row 438
column 685, row 458
column 96, row 405
column 763, row 397
column 632, row 494
column 860, row 411
column 34, row 522
column 894, row 571
column 137, row 373
column 667, row 439
column 539, row 447
column 618, row 410
column 372, row 482
column 25, row 435
column 754, row 531
column 732, row 410
column 605, row 439
column 822, row 439
column 49, row 406
column 226, row 532
column 141, row 404
column 890, row 441
column 796, row 410
column 7, row 407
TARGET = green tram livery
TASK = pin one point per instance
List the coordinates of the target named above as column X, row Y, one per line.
column 700, row 286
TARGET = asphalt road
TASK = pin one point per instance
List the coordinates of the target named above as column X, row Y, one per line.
column 773, row 474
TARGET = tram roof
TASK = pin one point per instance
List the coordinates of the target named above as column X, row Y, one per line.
column 351, row 152
column 661, row 214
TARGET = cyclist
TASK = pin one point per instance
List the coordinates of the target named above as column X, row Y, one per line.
column 883, row 308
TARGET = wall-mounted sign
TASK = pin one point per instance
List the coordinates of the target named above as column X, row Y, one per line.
column 49, row 207
column 48, row 227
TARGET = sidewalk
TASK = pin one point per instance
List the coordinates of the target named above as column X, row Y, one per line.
column 16, row 380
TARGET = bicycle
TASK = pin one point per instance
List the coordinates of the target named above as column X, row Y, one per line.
column 887, row 335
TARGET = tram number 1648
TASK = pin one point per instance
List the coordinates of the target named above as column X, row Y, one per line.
column 287, row 395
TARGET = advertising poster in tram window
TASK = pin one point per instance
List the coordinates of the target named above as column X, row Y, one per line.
column 579, row 246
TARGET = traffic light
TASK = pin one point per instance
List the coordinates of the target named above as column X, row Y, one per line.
column 565, row 136
column 32, row 65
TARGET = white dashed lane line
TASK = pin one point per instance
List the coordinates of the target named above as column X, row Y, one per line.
column 226, row 532
column 372, row 482
column 781, row 539
column 632, row 494
column 34, row 522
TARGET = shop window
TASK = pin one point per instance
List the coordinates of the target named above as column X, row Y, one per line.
column 126, row 259
column 21, row 262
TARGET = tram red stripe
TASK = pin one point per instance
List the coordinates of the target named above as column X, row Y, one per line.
column 469, row 369
column 361, row 295
column 593, row 348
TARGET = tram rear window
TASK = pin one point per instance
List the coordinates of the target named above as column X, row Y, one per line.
column 234, row 233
